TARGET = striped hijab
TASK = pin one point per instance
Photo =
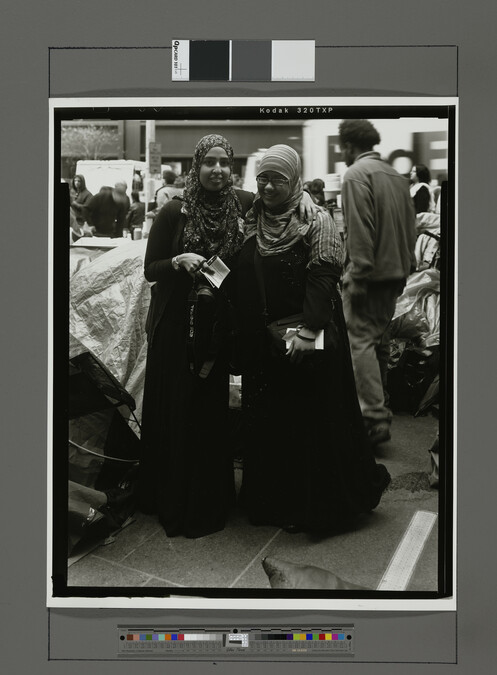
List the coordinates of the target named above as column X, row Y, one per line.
column 277, row 233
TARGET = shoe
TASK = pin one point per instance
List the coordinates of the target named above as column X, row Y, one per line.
column 120, row 505
column 379, row 433
column 292, row 529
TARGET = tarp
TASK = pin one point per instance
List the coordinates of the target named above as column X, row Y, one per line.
column 109, row 300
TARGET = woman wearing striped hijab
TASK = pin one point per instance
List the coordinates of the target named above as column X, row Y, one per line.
column 308, row 464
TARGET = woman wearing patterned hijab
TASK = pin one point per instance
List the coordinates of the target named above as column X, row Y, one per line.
column 309, row 465
column 186, row 468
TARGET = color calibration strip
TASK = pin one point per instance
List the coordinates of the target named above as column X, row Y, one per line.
column 300, row 636
column 233, row 637
column 165, row 637
column 243, row 60
column 153, row 642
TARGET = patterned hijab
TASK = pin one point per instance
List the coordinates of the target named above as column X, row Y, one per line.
column 214, row 224
column 278, row 232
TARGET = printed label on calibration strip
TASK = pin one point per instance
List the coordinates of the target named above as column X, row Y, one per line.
column 181, row 60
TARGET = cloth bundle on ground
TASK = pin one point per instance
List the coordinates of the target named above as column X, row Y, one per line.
column 109, row 301
column 284, row 574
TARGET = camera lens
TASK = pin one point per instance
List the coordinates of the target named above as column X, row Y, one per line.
column 204, row 291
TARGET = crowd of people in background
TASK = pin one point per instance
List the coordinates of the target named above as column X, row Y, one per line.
column 111, row 213
column 99, row 215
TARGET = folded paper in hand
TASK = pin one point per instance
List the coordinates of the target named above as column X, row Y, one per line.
column 318, row 342
column 219, row 271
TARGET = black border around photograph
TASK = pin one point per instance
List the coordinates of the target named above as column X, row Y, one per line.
column 60, row 343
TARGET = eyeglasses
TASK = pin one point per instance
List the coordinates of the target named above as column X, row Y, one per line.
column 275, row 182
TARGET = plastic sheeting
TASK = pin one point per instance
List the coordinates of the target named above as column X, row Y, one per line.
column 428, row 222
column 417, row 313
column 414, row 347
column 427, row 250
column 109, row 301
column 80, row 257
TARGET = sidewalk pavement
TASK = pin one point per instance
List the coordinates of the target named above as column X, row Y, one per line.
column 142, row 555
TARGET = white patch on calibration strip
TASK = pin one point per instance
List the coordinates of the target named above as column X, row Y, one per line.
column 401, row 566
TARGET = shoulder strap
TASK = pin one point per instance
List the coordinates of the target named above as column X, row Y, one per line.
column 260, row 278
column 175, row 247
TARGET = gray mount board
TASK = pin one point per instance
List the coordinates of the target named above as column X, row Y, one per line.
column 28, row 30
column 340, row 71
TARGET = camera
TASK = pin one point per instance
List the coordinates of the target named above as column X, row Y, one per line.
column 203, row 288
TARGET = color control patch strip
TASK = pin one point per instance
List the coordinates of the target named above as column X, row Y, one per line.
column 243, row 60
column 161, row 637
column 136, row 642
column 195, row 637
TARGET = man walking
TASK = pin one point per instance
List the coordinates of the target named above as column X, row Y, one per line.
column 379, row 226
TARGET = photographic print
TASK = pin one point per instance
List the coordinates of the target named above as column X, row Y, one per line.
column 252, row 334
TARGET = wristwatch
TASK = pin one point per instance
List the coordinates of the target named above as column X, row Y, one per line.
column 175, row 263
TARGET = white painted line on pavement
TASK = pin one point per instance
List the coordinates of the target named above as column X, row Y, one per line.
column 403, row 562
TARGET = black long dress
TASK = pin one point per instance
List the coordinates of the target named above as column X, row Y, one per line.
column 308, row 461
column 186, row 466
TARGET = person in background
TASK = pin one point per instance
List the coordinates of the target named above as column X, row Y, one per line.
column 80, row 196
column 136, row 213
column 437, row 191
column 309, row 464
column 123, row 205
column 307, row 186
column 317, row 191
column 237, row 182
column 102, row 213
column 137, row 183
column 380, row 235
column 168, row 190
column 421, row 194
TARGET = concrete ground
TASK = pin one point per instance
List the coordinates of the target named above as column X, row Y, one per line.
column 142, row 555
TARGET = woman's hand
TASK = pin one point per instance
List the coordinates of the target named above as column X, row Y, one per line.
column 190, row 262
column 299, row 348
column 307, row 208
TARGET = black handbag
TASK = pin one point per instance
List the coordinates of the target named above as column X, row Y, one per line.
column 276, row 330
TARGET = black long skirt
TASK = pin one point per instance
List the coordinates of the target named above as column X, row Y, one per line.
column 308, row 460
column 186, row 468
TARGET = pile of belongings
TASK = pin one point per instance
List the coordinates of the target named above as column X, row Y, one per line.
column 415, row 341
column 109, row 300
column 103, row 451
